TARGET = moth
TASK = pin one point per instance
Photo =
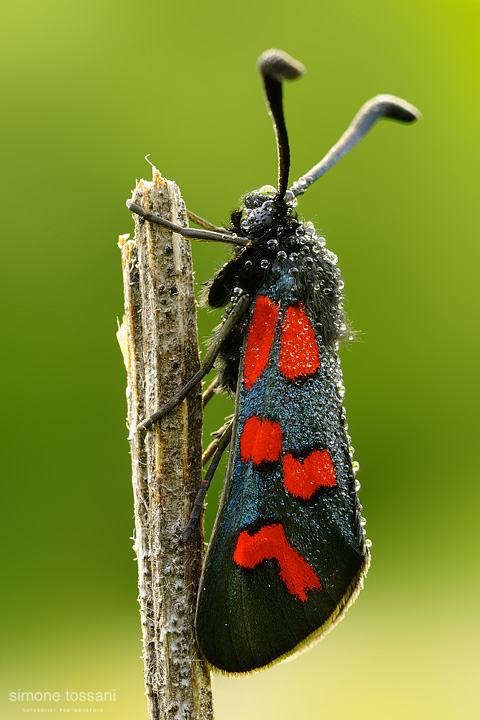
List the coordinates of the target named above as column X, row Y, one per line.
column 288, row 553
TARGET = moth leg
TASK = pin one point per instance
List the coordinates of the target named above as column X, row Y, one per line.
column 204, row 223
column 222, row 444
column 207, row 454
column 209, row 392
column 192, row 233
column 217, row 341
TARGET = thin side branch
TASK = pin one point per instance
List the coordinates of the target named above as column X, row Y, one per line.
column 159, row 342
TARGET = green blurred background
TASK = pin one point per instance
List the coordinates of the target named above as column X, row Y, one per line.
column 90, row 88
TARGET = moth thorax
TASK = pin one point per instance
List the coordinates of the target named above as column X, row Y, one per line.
column 262, row 211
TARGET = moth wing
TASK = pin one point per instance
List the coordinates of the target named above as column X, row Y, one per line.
column 287, row 554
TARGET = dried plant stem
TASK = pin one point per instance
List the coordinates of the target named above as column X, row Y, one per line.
column 159, row 342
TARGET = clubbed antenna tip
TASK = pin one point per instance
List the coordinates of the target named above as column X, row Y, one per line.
column 275, row 66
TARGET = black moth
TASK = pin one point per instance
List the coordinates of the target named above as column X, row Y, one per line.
column 288, row 553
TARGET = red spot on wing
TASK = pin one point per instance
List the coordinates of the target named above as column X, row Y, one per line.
column 270, row 543
column 260, row 339
column 299, row 350
column 261, row 440
column 302, row 479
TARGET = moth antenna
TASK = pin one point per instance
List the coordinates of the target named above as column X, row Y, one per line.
column 275, row 66
column 387, row 106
